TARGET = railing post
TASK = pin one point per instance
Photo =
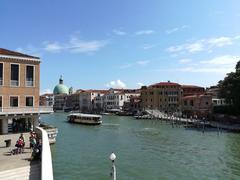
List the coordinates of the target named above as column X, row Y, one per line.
column 113, row 172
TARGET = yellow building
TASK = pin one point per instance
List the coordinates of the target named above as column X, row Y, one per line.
column 164, row 96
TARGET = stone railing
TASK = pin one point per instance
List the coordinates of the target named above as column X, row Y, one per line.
column 25, row 110
column 46, row 156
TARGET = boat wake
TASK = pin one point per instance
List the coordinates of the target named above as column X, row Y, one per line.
column 110, row 124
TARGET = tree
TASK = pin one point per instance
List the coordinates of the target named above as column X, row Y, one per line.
column 230, row 89
column 238, row 66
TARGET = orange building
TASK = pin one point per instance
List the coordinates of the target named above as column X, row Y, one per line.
column 19, row 91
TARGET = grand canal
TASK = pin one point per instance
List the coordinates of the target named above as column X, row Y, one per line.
column 145, row 149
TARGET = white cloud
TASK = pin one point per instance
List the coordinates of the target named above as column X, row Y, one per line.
column 116, row 84
column 137, row 63
column 20, row 50
column 222, row 60
column 53, row 47
column 75, row 45
column 184, row 61
column 173, row 30
column 148, row 46
column 125, row 66
column 220, row 64
column 140, row 84
column 46, row 91
column 30, row 49
column 144, row 32
column 221, row 41
column 143, row 62
column 203, row 45
column 119, row 32
column 79, row 46
column 195, row 47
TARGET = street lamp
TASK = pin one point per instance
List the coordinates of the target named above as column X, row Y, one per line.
column 112, row 157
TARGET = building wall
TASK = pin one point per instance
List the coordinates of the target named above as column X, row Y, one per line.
column 200, row 105
column 22, row 91
column 166, row 98
column 189, row 90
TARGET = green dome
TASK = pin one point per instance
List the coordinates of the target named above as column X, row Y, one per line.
column 60, row 89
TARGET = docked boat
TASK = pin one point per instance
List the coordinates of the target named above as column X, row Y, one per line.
column 51, row 131
column 88, row 119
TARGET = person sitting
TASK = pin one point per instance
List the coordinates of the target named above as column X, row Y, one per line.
column 37, row 150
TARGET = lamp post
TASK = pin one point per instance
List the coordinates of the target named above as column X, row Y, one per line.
column 112, row 157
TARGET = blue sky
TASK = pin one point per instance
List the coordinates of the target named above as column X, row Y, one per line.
column 112, row 43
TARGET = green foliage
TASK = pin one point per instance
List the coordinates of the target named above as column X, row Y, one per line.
column 230, row 89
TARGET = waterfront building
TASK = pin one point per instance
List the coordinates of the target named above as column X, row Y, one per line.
column 163, row 96
column 19, row 91
column 72, row 101
column 197, row 105
column 133, row 106
column 87, row 99
column 189, row 90
column 60, row 93
column 115, row 98
column 47, row 99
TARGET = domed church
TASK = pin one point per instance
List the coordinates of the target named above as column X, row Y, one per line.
column 60, row 88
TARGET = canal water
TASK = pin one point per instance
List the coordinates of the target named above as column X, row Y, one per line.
column 145, row 150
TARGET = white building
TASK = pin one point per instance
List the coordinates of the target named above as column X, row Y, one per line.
column 115, row 99
column 87, row 99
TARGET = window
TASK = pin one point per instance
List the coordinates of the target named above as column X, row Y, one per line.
column 1, row 74
column 14, row 101
column 185, row 103
column 29, row 76
column 14, row 75
column 29, row 101
column 191, row 102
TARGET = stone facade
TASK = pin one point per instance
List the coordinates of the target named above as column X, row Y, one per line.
column 19, row 91
column 164, row 96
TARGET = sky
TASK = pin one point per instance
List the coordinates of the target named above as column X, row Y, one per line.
column 97, row 44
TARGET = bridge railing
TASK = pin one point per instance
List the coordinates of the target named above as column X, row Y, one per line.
column 46, row 156
column 14, row 110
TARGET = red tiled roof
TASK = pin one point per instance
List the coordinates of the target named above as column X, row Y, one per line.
column 14, row 53
column 165, row 84
column 92, row 91
column 191, row 86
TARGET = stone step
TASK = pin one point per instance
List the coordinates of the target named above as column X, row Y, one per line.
column 26, row 172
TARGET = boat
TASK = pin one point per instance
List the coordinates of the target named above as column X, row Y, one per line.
column 51, row 131
column 87, row 119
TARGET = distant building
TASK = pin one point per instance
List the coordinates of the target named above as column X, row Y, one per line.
column 134, row 105
column 197, row 105
column 46, row 99
column 189, row 90
column 164, row 96
column 60, row 93
column 213, row 91
column 115, row 98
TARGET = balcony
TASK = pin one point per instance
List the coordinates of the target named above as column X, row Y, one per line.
column 29, row 83
column 14, row 83
column 26, row 110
